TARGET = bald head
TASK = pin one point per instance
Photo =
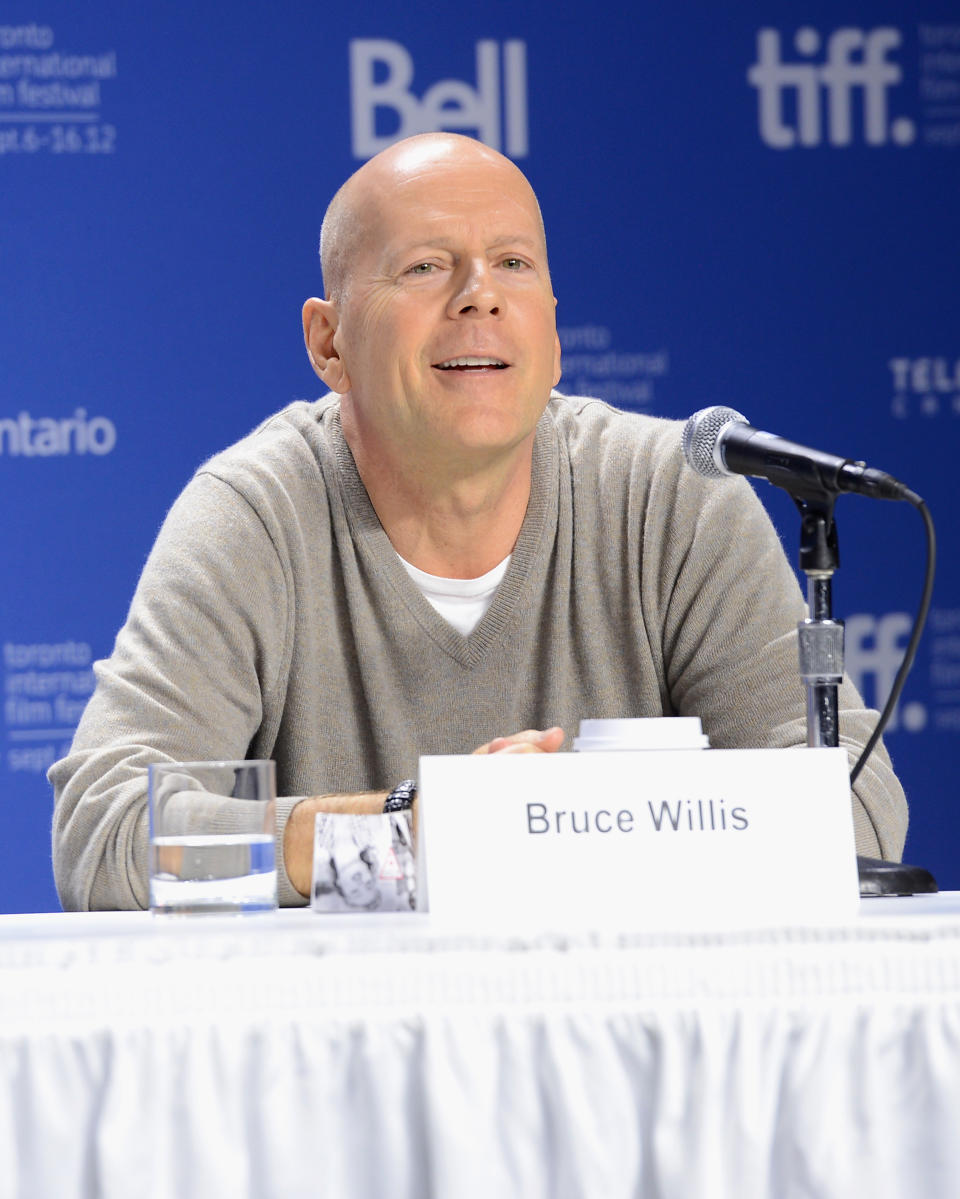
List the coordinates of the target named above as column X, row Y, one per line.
column 354, row 214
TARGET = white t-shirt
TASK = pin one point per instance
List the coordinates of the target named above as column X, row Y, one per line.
column 461, row 602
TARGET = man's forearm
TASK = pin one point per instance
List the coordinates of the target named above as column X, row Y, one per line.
column 298, row 835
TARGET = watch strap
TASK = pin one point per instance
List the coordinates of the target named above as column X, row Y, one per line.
column 401, row 797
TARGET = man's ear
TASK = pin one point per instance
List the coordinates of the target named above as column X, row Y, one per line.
column 320, row 321
column 557, row 369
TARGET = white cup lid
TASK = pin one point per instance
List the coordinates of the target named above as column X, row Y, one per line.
column 652, row 732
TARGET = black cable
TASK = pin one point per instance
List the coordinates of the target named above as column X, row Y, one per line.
column 911, row 498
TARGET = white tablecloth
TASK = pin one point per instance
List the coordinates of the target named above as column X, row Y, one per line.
column 297, row 1055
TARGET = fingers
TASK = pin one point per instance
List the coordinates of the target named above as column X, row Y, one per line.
column 530, row 741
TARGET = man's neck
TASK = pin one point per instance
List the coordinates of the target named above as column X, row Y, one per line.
column 439, row 516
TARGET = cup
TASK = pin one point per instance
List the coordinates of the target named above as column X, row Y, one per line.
column 650, row 732
column 212, row 844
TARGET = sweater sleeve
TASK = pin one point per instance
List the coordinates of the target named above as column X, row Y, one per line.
column 203, row 644
column 729, row 603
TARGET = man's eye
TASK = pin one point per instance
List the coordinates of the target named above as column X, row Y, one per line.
column 514, row 264
column 422, row 268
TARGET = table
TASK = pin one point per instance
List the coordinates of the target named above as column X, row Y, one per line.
column 378, row 1055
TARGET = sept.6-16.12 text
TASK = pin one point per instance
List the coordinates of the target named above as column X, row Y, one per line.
column 57, row 139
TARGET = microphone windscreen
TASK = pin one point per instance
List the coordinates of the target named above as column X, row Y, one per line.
column 700, row 436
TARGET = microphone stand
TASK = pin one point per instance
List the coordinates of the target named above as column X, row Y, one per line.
column 820, row 637
column 820, row 642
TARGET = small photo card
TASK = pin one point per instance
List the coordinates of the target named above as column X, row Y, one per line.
column 363, row 863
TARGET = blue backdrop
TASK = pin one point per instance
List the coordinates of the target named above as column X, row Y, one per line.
column 752, row 205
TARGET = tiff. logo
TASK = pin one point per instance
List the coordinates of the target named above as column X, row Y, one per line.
column 856, row 62
column 499, row 98
column 874, row 648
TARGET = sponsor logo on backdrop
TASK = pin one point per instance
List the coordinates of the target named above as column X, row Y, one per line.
column 51, row 99
column 385, row 107
column 593, row 366
column 848, row 86
column 45, row 689
column 26, row 436
column 926, row 387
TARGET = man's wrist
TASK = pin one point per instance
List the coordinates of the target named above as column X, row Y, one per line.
column 298, row 834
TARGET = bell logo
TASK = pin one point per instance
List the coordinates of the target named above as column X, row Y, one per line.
column 856, row 61
column 450, row 104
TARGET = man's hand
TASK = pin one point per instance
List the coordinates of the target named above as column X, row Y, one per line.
column 530, row 741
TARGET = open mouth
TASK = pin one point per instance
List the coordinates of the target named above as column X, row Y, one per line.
column 471, row 363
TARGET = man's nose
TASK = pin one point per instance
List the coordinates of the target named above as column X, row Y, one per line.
column 478, row 292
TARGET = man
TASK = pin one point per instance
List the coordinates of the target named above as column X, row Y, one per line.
column 436, row 554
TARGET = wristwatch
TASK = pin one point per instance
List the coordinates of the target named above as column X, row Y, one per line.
column 401, row 797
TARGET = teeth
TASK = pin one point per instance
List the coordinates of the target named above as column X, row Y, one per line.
column 453, row 362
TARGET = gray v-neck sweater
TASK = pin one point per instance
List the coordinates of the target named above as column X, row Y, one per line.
column 273, row 619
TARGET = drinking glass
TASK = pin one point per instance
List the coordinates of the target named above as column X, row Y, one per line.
column 212, row 846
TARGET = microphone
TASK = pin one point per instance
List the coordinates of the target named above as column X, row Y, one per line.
column 719, row 441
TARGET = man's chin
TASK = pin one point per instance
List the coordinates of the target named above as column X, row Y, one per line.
column 485, row 432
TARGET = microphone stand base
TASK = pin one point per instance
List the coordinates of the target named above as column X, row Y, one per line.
column 878, row 877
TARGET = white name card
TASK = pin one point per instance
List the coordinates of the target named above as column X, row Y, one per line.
column 662, row 839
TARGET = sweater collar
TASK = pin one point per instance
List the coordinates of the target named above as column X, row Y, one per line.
column 529, row 559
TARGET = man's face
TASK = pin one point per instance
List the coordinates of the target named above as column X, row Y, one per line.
column 357, row 885
column 446, row 332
